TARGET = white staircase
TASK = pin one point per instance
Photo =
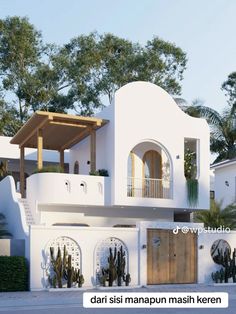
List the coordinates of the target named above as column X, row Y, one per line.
column 28, row 214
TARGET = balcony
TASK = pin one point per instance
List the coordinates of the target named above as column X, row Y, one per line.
column 149, row 188
column 70, row 189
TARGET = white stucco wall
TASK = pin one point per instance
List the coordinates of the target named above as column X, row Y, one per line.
column 206, row 265
column 143, row 112
column 225, row 184
column 146, row 113
column 99, row 216
column 12, row 210
column 87, row 238
column 67, row 189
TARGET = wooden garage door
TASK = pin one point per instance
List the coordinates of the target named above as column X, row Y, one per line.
column 171, row 258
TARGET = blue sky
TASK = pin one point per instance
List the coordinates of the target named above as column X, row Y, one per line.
column 204, row 29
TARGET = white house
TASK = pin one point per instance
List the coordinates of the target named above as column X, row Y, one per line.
column 224, row 187
column 140, row 141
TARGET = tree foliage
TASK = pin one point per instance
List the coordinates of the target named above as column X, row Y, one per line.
column 77, row 76
column 95, row 66
column 223, row 125
column 229, row 87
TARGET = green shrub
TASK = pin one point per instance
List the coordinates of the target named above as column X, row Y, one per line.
column 51, row 168
column 13, row 273
column 99, row 172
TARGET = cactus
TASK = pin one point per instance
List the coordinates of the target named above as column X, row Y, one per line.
column 78, row 277
column 229, row 266
column 68, row 272
column 62, row 269
column 233, row 266
column 120, row 265
column 112, row 272
column 127, row 279
column 80, row 281
column 103, row 277
column 57, row 265
column 115, row 270
column 52, row 281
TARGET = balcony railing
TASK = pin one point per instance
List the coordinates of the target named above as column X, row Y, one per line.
column 149, row 188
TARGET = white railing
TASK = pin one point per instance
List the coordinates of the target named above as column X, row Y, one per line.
column 150, row 188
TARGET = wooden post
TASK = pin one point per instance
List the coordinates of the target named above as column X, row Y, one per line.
column 62, row 160
column 40, row 149
column 92, row 150
column 22, row 171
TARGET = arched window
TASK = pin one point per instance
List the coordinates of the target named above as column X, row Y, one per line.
column 76, row 167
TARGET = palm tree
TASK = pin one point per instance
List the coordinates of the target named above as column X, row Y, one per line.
column 223, row 127
column 4, row 234
column 217, row 217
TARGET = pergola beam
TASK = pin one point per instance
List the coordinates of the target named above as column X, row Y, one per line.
column 81, row 126
column 40, row 148
column 35, row 130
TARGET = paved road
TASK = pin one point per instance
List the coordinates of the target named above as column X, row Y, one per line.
column 71, row 302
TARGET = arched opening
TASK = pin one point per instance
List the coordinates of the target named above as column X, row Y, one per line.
column 152, row 174
column 102, row 253
column 67, row 246
column 76, row 167
column 149, row 171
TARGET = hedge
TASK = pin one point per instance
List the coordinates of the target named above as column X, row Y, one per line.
column 13, row 273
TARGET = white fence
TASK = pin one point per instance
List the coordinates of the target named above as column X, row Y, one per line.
column 88, row 240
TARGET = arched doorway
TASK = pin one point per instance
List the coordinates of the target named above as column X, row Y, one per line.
column 152, row 174
column 149, row 171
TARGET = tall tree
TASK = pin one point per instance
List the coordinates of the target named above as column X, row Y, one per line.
column 20, row 49
column 79, row 75
column 27, row 76
column 229, row 87
column 95, row 66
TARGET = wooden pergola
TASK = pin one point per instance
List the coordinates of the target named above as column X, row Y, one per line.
column 55, row 131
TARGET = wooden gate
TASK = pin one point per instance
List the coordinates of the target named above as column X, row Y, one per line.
column 171, row 258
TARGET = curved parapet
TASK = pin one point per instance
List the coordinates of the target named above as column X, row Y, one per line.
column 12, row 209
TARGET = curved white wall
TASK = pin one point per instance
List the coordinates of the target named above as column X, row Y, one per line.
column 69, row 189
column 12, row 209
column 143, row 112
